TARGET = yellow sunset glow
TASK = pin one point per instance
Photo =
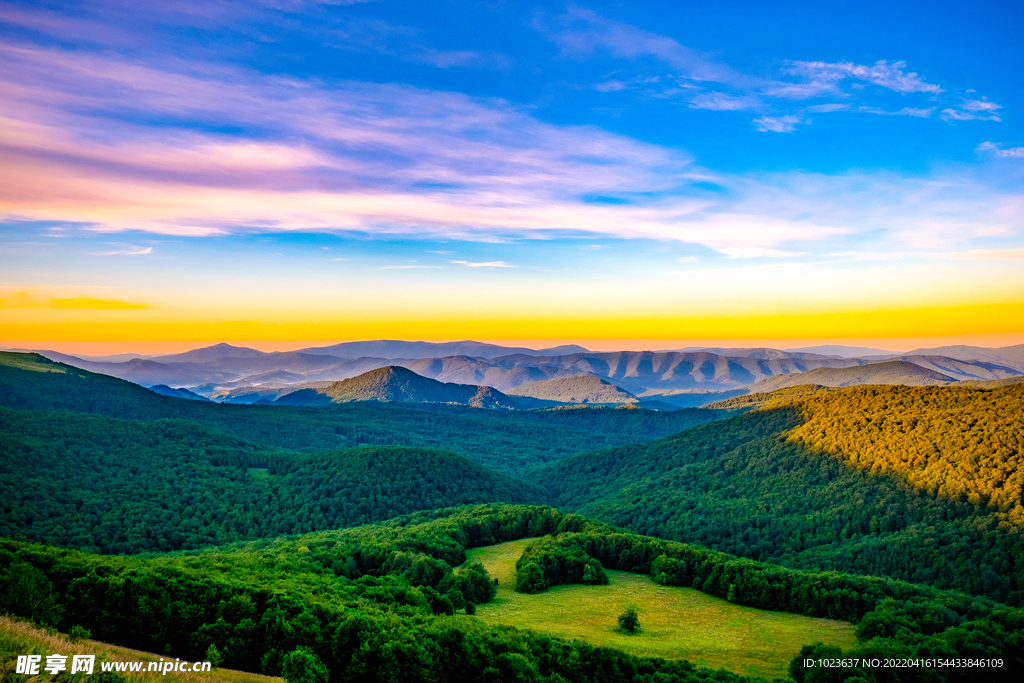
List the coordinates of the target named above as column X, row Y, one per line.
column 916, row 322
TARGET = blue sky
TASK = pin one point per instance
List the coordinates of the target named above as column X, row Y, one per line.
column 210, row 161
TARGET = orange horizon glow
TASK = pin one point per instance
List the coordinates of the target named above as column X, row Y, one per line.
column 992, row 324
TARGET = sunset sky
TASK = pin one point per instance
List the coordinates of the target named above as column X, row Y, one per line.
column 621, row 174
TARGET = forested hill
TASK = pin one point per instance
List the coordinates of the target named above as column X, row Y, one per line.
column 129, row 486
column 920, row 483
column 578, row 389
column 397, row 384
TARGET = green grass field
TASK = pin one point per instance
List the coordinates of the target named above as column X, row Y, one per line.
column 675, row 623
column 20, row 362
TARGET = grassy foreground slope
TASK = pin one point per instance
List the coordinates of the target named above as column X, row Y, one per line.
column 676, row 622
column 18, row 637
column 919, row 483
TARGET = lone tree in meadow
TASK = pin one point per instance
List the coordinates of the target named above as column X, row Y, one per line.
column 629, row 621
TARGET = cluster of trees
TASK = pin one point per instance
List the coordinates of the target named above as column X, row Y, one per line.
column 833, row 595
column 755, row 485
column 548, row 562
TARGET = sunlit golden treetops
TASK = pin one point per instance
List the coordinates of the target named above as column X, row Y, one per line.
column 957, row 443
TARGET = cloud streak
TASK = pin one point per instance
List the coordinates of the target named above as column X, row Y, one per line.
column 133, row 251
column 777, row 124
column 581, row 33
column 999, row 151
column 973, row 110
column 485, row 264
column 822, row 76
column 33, row 300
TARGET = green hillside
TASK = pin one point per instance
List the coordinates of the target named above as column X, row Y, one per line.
column 769, row 399
column 919, row 483
column 387, row 602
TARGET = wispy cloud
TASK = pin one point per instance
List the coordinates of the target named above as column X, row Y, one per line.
column 777, row 124
column 583, row 33
column 485, row 264
column 905, row 111
column 825, row 75
column 131, row 251
column 410, row 267
column 611, row 86
column 827, row 108
column 84, row 302
column 580, row 32
column 986, row 255
column 721, row 102
column 973, row 110
column 997, row 150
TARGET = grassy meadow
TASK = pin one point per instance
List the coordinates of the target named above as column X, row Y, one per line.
column 675, row 623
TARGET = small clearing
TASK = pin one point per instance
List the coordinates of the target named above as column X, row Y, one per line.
column 675, row 622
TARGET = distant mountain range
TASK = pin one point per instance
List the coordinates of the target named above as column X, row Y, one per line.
column 678, row 378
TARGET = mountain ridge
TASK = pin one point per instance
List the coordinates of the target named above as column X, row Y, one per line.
column 888, row 372
column 394, row 383
column 656, row 375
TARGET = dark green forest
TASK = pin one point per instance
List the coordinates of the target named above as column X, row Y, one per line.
column 129, row 486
